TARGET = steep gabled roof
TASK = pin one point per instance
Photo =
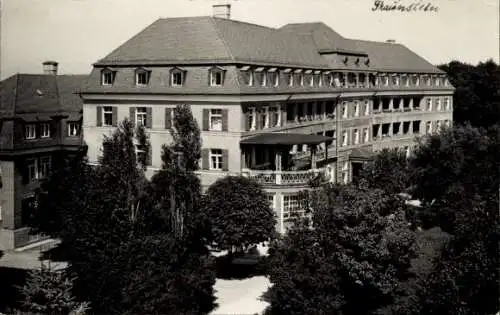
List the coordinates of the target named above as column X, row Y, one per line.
column 207, row 39
column 40, row 93
column 325, row 39
column 386, row 56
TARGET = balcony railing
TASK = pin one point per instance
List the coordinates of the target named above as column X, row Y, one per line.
column 283, row 177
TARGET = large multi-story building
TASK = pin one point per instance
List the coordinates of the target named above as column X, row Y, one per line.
column 278, row 105
column 40, row 122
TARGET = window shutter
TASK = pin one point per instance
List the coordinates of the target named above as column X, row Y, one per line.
column 204, row 159
column 149, row 117
column 131, row 115
column 206, row 116
column 224, row 119
column 168, row 118
column 115, row 116
column 99, row 116
column 225, row 160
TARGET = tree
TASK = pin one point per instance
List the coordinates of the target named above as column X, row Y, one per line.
column 239, row 213
column 388, row 170
column 477, row 94
column 50, row 292
column 359, row 249
column 458, row 181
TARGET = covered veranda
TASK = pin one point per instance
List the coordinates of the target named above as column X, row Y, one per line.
column 267, row 158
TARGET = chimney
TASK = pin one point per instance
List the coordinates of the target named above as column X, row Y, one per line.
column 50, row 67
column 392, row 41
column 222, row 11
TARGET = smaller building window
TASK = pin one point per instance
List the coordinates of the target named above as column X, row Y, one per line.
column 44, row 131
column 141, row 77
column 447, row 103
column 428, row 129
column 367, row 108
column 141, row 115
column 107, row 116
column 108, row 77
column 356, row 136
column 262, row 79
column 366, row 135
column 344, row 138
column 216, row 159
column 437, row 81
column 216, row 119
column 344, row 109
column 273, row 77
column 301, row 79
column 320, row 79
column 216, row 77
column 429, row 104
column 356, row 108
column 177, row 77
column 438, row 104
column 428, row 80
column 385, row 80
column 395, row 79
column 44, row 167
column 32, row 169
column 73, row 129
column 30, row 131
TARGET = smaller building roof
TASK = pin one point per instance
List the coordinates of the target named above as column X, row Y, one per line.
column 285, row 139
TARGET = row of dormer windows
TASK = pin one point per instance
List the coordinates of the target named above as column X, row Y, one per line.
column 270, row 77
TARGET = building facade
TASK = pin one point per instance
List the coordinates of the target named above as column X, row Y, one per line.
column 278, row 105
column 40, row 122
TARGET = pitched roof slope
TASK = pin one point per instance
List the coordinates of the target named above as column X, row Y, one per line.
column 323, row 36
column 198, row 39
column 40, row 93
column 394, row 57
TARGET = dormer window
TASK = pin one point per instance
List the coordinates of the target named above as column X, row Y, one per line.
column 309, row 77
column 385, row 80
column 319, row 77
column 261, row 76
column 248, row 75
column 300, row 76
column 273, row 77
column 142, row 77
column 428, row 80
column 216, row 76
column 406, row 80
column 289, row 75
column 108, row 76
column 177, row 77
column 395, row 79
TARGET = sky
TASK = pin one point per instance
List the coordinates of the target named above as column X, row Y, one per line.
column 77, row 33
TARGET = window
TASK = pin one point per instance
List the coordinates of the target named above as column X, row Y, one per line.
column 216, row 119
column 336, row 80
column 107, row 77
column 249, row 77
column 447, row 104
column 292, row 207
column 345, row 172
column 438, row 104
column 301, row 79
column 436, row 81
column 216, row 77
column 289, row 77
column 406, row 80
column 356, row 136
column 344, row 138
column 177, row 77
column 270, row 198
column 32, row 171
column 311, row 80
column 356, row 108
column 385, row 80
column 344, row 110
column 367, row 108
column 273, row 77
column 44, row 167
column 251, row 118
column 447, row 123
column 44, row 130
column 366, row 135
column 262, row 79
column 30, row 131
column 428, row 127
column 395, row 80
column 107, row 116
column 438, row 125
column 428, row 80
column 73, row 129
column 216, row 159
column 141, row 115
column 320, row 79
column 446, row 82
column 415, row 80
column 142, row 77
column 429, row 104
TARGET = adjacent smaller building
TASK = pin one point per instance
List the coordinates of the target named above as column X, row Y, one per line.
column 40, row 122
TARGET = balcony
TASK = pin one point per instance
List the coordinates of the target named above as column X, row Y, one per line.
column 286, row 178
